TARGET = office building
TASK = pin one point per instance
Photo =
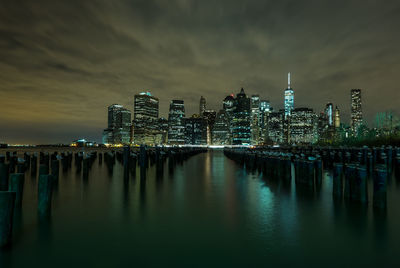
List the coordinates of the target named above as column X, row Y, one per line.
column 337, row 117
column 275, row 127
column 196, row 130
column 202, row 107
column 302, row 126
column 241, row 126
column 176, row 122
column 119, row 125
column 289, row 99
column 229, row 104
column 329, row 114
column 210, row 116
column 145, row 121
column 255, row 117
column 356, row 111
column 221, row 131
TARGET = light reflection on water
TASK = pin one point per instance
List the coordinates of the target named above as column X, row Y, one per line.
column 209, row 212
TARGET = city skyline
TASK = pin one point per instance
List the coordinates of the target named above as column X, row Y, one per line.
column 243, row 120
column 59, row 72
column 130, row 108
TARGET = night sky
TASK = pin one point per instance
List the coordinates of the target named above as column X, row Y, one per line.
column 63, row 62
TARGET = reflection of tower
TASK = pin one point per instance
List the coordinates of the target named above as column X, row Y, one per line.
column 202, row 107
column 356, row 112
column 289, row 99
column 337, row 117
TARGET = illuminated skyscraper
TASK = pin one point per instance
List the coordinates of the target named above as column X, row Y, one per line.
column 113, row 110
column 356, row 111
column 275, row 125
column 303, row 126
column 210, row 116
column 289, row 99
column 119, row 125
column 229, row 104
column 265, row 109
column 255, row 117
column 337, row 117
column 221, row 131
column 176, row 122
column 229, row 107
column 145, row 119
column 163, row 128
column 196, row 130
column 329, row 113
column 241, row 129
column 202, row 107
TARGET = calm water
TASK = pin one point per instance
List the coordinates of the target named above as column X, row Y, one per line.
column 209, row 213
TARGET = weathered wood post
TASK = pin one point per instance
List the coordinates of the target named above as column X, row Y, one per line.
column 17, row 186
column 360, row 188
column 85, row 168
column 4, row 174
column 21, row 166
column 350, row 174
column 337, row 180
column 100, row 158
column 318, row 172
column 380, row 179
column 142, row 161
column 55, row 169
column 45, row 190
column 13, row 163
column 43, row 170
column 7, row 204
column 34, row 164
column 132, row 164
column 126, row 155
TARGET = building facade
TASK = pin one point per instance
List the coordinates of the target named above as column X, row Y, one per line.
column 302, row 126
column 329, row 114
column 221, row 131
column 356, row 111
column 210, row 116
column 275, row 127
column 196, row 130
column 289, row 99
column 145, row 122
column 337, row 117
column 241, row 126
column 118, row 129
column 176, row 122
column 255, row 117
column 202, row 106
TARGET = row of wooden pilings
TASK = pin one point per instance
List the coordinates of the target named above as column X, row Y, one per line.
column 14, row 169
column 351, row 168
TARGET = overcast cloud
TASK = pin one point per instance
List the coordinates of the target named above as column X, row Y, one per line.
column 63, row 62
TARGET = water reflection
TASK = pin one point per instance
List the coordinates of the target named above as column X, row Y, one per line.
column 44, row 229
column 143, row 198
column 210, row 210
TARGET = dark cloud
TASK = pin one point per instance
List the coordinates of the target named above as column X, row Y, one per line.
column 63, row 62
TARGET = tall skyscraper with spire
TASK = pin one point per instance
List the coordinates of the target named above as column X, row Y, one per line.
column 289, row 99
column 202, row 107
